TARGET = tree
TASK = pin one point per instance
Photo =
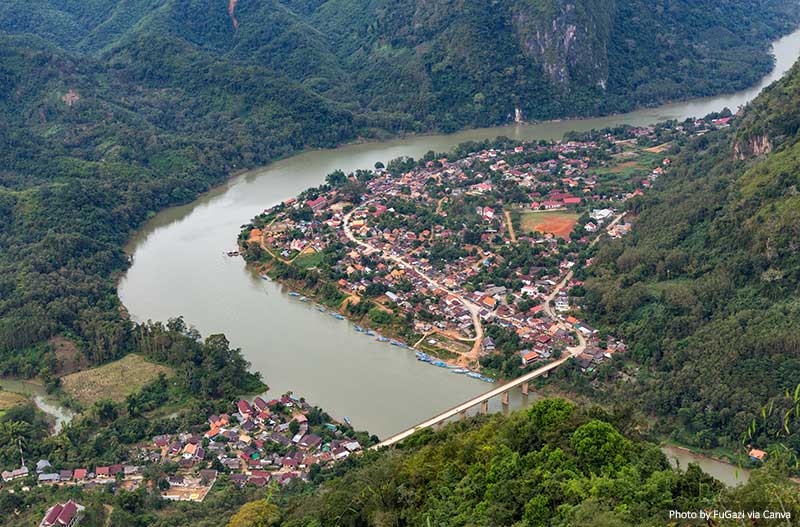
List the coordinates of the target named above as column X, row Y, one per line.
column 259, row 513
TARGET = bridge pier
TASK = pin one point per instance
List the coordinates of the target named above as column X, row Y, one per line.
column 525, row 387
column 504, row 399
column 485, row 407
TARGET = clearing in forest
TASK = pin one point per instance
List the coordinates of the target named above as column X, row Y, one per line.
column 115, row 380
column 9, row 400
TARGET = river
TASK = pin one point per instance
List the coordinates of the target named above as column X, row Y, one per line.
column 179, row 269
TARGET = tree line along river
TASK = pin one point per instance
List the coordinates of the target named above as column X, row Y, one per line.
column 179, row 269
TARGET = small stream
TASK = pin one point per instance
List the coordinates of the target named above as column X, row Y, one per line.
column 44, row 402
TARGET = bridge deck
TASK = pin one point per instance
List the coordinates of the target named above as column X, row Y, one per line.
column 473, row 402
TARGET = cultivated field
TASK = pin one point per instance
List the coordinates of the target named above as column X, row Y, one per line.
column 9, row 400
column 115, row 380
column 558, row 223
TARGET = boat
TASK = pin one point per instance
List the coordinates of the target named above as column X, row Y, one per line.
column 396, row 343
column 358, row 328
column 347, row 421
column 486, row 379
column 337, row 316
column 303, row 299
column 424, row 357
column 460, row 371
column 292, row 293
column 474, row 375
column 265, row 277
column 370, row 333
column 439, row 363
column 321, row 309
column 382, row 339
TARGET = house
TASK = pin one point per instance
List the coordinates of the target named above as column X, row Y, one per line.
column 529, row 357
column 63, row 515
column 15, row 474
column 310, row 441
column 46, row 477
column 316, row 204
column 487, row 213
column 600, row 214
column 43, row 466
column 244, row 409
column 562, row 303
column 757, row 455
column 590, row 227
column 260, row 403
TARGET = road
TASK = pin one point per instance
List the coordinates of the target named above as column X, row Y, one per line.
column 463, row 407
column 473, row 309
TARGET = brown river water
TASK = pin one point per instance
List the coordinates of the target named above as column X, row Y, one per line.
column 179, row 269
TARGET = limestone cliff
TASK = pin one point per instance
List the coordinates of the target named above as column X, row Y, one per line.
column 567, row 38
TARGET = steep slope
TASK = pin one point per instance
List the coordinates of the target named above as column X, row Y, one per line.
column 708, row 287
column 139, row 135
column 451, row 63
column 112, row 110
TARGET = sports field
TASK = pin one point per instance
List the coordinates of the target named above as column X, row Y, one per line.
column 558, row 223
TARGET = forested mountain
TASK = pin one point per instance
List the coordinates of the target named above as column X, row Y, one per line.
column 708, row 287
column 112, row 110
column 446, row 64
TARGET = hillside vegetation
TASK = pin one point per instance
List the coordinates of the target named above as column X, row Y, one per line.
column 708, row 287
column 111, row 111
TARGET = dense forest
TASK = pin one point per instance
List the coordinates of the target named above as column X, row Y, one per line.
column 552, row 464
column 111, row 111
column 706, row 288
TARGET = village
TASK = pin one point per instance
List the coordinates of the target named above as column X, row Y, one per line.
column 475, row 254
column 259, row 443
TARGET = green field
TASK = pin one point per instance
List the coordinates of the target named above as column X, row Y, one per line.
column 115, row 380
column 308, row 260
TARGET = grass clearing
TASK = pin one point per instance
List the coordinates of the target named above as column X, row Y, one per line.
column 558, row 223
column 444, row 347
column 9, row 400
column 308, row 259
column 115, row 380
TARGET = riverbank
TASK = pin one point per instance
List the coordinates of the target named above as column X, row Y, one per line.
column 178, row 269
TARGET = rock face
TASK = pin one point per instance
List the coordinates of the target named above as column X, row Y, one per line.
column 752, row 147
column 568, row 38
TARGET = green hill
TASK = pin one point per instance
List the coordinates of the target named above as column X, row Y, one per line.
column 113, row 110
column 708, row 287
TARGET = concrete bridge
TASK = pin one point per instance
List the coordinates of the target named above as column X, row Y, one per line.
column 483, row 400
